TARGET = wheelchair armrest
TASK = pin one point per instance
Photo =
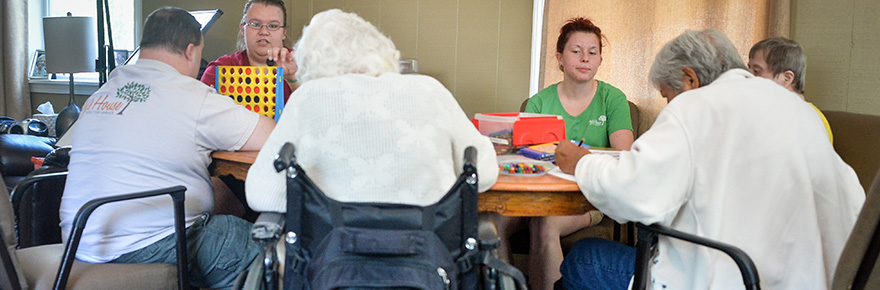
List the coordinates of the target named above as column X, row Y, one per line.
column 268, row 226
column 79, row 222
column 648, row 234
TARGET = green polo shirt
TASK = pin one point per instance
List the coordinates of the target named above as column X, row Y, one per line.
column 607, row 113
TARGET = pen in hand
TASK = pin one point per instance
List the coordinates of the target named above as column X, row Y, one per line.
column 581, row 143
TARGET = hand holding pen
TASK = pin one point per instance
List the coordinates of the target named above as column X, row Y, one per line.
column 568, row 155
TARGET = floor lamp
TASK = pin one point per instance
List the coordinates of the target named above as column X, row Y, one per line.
column 70, row 48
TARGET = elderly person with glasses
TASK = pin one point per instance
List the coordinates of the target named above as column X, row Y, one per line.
column 734, row 158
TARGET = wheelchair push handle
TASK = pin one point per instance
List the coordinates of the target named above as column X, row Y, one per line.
column 470, row 158
column 285, row 157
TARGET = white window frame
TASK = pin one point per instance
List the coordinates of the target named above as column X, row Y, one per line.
column 537, row 35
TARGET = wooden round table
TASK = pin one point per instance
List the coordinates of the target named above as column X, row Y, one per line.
column 543, row 195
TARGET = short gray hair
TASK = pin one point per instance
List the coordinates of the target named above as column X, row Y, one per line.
column 337, row 43
column 709, row 53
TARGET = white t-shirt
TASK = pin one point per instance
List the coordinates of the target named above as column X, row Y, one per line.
column 742, row 161
column 148, row 127
column 392, row 138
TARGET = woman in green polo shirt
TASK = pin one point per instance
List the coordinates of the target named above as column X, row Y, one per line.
column 592, row 109
column 595, row 112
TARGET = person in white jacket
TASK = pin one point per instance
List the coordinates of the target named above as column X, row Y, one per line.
column 734, row 158
column 363, row 131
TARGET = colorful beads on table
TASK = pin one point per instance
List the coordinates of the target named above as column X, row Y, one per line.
column 522, row 168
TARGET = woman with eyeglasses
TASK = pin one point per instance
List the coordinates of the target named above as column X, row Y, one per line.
column 263, row 27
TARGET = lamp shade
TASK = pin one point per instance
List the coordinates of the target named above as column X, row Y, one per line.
column 71, row 44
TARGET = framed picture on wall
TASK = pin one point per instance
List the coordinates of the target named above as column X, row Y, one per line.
column 121, row 56
column 38, row 65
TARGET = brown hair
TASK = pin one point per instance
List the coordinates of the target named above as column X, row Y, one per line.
column 782, row 54
column 247, row 6
column 276, row 3
column 578, row 24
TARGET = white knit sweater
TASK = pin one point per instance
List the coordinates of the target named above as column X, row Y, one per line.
column 392, row 138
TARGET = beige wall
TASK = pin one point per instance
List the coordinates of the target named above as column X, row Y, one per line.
column 478, row 49
column 841, row 39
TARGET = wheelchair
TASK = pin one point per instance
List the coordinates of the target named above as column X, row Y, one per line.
column 329, row 244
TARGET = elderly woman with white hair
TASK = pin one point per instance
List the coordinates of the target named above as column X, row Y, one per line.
column 734, row 158
column 363, row 131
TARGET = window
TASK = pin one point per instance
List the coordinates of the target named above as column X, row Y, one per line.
column 122, row 19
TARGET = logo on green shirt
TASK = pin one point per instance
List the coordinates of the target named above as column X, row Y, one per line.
column 599, row 122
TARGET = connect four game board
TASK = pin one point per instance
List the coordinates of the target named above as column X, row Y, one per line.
column 258, row 88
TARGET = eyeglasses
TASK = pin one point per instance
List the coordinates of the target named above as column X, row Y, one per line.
column 258, row 26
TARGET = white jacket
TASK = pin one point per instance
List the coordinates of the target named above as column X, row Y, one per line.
column 742, row 161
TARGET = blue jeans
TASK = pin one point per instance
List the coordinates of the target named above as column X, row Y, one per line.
column 598, row 264
column 218, row 248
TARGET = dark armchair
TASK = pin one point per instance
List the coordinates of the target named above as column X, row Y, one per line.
column 36, row 200
column 16, row 151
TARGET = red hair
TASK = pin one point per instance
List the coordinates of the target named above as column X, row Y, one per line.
column 578, row 24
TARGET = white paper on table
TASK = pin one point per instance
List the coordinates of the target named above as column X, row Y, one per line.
column 558, row 173
column 612, row 153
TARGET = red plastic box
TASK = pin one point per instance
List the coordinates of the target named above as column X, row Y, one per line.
column 518, row 129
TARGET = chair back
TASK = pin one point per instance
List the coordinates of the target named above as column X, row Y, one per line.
column 855, row 136
column 379, row 235
column 857, row 268
column 634, row 116
column 35, row 203
column 359, row 245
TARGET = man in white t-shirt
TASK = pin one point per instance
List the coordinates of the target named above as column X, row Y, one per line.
column 153, row 125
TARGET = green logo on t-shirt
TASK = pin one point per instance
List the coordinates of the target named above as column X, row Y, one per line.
column 132, row 92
